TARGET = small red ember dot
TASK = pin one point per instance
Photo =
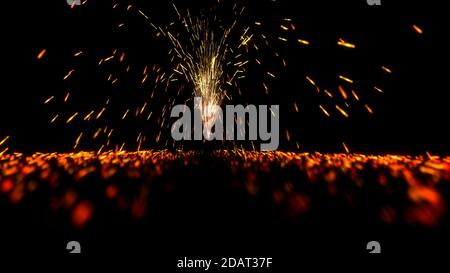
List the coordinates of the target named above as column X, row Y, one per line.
column 7, row 185
column 138, row 208
column 298, row 204
column 111, row 191
column 82, row 213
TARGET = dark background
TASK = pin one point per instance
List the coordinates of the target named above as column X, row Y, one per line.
column 410, row 117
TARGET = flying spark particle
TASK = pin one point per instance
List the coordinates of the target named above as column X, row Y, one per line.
column 54, row 118
column 66, row 98
column 110, row 133
column 88, row 116
column 343, row 93
column 68, row 74
column 378, row 89
column 97, row 133
column 368, row 109
column 266, row 89
column 100, row 150
column 78, row 141
column 417, row 29
column 72, row 117
column 296, row 107
column 324, row 111
column 49, row 99
column 4, row 140
column 345, row 79
column 144, row 79
column 388, row 70
column 342, row 111
column 304, row 42
column 4, row 151
column 41, row 54
column 343, row 43
column 121, row 147
column 109, row 58
column 310, row 80
column 271, row 74
column 100, row 113
column 355, row 95
column 125, row 115
column 345, row 147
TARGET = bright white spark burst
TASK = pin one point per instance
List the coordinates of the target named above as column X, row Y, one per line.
column 203, row 55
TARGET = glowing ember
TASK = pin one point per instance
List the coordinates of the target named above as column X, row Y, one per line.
column 126, row 181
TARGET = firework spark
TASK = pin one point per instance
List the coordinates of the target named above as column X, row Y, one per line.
column 210, row 56
column 206, row 59
column 41, row 54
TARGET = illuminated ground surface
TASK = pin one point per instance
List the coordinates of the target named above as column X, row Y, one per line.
column 223, row 191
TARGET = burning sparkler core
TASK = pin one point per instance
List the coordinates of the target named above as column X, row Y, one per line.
column 207, row 77
column 201, row 60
